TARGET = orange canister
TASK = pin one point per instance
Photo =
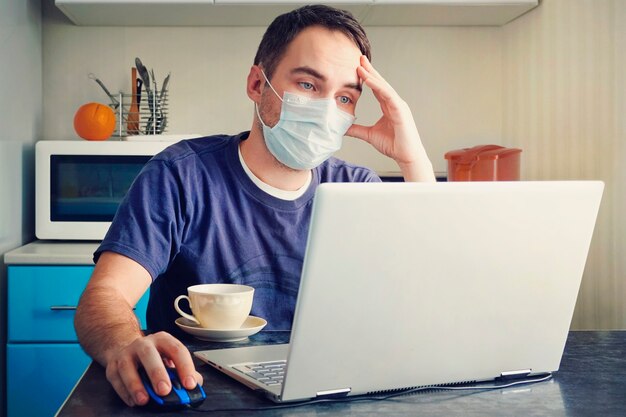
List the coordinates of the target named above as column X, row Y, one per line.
column 484, row 163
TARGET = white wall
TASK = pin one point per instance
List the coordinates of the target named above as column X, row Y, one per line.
column 565, row 105
column 20, row 127
column 449, row 76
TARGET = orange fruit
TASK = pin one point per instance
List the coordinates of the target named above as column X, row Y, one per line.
column 94, row 121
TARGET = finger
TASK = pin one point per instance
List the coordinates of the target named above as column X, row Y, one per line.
column 359, row 132
column 133, row 384
column 116, row 382
column 381, row 89
column 175, row 351
column 368, row 71
column 150, row 358
column 127, row 371
column 372, row 73
column 199, row 378
column 377, row 84
column 390, row 102
column 369, row 67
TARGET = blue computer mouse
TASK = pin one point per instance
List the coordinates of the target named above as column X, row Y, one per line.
column 179, row 396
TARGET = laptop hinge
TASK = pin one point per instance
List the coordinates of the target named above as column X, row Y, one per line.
column 520, row 373
column 332, row 393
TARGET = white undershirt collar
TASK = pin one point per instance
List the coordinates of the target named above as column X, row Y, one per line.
column 273, row 191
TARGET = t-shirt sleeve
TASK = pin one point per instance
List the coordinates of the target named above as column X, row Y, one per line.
column 148, row 224
column 372, row 177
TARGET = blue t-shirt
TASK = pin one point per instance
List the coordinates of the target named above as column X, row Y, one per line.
column 193, row 216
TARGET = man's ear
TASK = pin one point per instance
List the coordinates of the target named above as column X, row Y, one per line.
column 255, row 83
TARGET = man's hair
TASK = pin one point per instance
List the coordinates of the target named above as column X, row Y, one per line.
column 286, row 27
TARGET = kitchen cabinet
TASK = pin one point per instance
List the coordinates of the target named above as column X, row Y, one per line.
column 261, row 13
column 44, row 359
column 446, row 12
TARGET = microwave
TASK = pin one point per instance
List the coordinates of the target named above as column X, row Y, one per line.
column 80, row 184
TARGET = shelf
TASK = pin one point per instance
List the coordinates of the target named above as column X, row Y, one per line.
column 261, row 13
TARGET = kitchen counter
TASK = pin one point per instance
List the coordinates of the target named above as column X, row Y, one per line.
column 45, row 252
column 591, row 381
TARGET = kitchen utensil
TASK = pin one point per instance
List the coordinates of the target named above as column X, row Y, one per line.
column 155, row 122
column 115, row 101
column 153, row 80
column 162, row 121
column 143, row 73
column 132, row 121
column 164, row 87
column 139, row 86
column 145, row 76
column 158, row 111
column 150, row 122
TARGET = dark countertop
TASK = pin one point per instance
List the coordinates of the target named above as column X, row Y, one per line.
column 591, row 382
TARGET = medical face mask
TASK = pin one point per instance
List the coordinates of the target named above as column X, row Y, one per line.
column 308, row 132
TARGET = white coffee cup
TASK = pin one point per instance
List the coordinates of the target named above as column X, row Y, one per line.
column 217, row 306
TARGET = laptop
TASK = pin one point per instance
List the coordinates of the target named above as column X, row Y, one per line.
column 407, row 285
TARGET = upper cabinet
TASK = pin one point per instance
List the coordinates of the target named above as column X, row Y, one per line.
column 262, row 12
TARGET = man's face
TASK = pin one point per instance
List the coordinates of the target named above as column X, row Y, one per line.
column 318, row 63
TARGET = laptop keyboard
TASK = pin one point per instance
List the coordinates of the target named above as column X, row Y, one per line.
column 268, row 373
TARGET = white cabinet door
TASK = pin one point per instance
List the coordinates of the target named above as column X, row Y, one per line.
column 446, row 12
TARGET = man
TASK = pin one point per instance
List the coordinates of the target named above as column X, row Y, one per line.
column 237, row 209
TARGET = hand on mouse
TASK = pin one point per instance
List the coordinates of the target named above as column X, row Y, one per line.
column 150, row 352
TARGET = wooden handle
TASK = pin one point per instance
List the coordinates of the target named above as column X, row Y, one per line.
column 133, row 81
column 132, row 121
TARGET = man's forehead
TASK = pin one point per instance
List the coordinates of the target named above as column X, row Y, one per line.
column 317, row 37
column 323, row 50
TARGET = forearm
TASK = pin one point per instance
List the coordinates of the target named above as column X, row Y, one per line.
column 419, row 169
column 105, row 323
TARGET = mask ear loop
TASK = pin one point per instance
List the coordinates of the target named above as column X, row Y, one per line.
column 258, row 115
column 256, row 107
column 270, row 84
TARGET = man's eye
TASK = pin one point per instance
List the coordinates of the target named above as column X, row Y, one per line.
column 344, row 100
column 306, row 86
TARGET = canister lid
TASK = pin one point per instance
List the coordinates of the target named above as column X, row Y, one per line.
column 476, row 153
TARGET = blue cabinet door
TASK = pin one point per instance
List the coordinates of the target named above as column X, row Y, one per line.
column 41, row 376
column 44, row 360
column 42, row 300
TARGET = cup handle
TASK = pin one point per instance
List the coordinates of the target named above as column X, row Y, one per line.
column 181, row 312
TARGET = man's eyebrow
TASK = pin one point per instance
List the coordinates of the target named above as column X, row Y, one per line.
column 355, row 86
column 310, row 71
column 316, row 74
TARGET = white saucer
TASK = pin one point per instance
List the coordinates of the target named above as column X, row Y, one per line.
column 251, row 326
